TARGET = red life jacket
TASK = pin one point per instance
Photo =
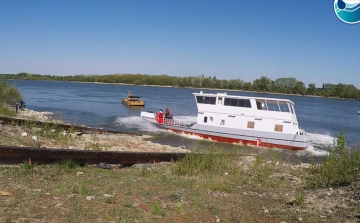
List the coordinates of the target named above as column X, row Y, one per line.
column 159, row 117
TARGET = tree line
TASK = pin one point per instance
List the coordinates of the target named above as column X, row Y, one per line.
column 288, row 85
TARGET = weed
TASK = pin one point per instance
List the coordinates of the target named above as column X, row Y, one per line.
column 6, row 111
column 157, row 209
column 180, row 208
column 340, row 167
column 299, row 199
column 66, row 164
column 109, row 200
column 196, row 162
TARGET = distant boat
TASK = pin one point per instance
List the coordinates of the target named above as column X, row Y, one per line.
column 358, row 112
column 133, row 100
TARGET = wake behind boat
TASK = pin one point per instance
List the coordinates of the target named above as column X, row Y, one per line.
column 253, row 121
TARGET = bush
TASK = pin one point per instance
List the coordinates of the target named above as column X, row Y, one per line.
column 9, row 95
column 340, row 168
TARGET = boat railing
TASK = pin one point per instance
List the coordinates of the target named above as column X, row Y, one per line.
column 173, row 122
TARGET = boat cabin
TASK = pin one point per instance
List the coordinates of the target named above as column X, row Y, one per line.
column 133, row 100
column 251, row 113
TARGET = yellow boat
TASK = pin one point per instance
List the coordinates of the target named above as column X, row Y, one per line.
column 133, row 100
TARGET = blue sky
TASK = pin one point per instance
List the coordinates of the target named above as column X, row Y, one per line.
column 226, row 38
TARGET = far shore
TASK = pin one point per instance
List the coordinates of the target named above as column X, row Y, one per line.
column 216, row 89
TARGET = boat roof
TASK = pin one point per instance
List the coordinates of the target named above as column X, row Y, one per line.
column 238, row 96
column 134, row 97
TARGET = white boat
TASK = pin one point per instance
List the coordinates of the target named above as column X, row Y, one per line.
column 253, row 121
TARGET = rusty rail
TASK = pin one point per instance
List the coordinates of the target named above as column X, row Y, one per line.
column 66, row 126
column 16, row 155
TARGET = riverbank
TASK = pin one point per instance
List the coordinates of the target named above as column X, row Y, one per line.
column 201, row 188
column 46, row 137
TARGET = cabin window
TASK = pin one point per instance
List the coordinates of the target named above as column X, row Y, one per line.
column 222, row 122
column 284, row 107
column 244, row 103
column 205, row 119
column 272, row 105
column 260, row 104
column 292, row 108
column 278, row 128
column 237, row 102
column 234, row 102
column 206, row 100
column 220, row 100
column 227, row 101
column 250, row 125
column 211, row 119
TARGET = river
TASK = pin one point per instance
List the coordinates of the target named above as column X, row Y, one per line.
column 99, row 105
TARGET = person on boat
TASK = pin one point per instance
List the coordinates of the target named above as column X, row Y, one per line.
column 168, row 114
column 159, row 116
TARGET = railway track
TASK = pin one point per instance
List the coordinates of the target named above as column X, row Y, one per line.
column 17, row 155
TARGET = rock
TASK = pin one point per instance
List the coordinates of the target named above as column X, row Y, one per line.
column 5, row 193
column 217, row 219
column 299, row 218
column 79, row 173
column 108, row 195
column 104, row 166
column 24, row 134
column 34, row 138
column 89, row 198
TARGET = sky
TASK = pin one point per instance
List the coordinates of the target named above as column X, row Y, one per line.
column 229, row 39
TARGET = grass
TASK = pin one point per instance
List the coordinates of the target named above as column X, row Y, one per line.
column 7, row 111
column 202, row 187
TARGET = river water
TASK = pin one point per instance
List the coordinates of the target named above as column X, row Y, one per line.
column 99, row 105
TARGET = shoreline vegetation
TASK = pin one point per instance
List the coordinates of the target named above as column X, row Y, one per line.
column 283, row 86
column 205, row 186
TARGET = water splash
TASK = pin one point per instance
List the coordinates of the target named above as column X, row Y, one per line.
column 323, row 139
column 136, row 122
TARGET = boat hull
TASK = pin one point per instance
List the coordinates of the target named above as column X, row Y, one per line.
column 133, row 103
column 236, row 136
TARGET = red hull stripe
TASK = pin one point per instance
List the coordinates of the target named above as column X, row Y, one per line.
column 240, row 141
